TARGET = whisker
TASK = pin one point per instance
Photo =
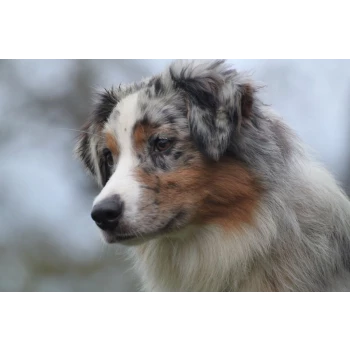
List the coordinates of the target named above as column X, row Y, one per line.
column 148, row 205
column 149, row 188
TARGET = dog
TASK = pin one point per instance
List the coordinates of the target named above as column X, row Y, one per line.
column 210, row 189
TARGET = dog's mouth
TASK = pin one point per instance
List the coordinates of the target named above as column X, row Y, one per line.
column 114, row 237
column 136, row 237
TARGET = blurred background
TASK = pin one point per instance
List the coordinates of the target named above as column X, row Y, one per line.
column 47, row 240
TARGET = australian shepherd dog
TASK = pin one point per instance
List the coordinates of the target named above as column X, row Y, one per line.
column 210, row 189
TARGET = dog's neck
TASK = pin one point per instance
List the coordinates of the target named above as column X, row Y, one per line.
column 199, row 259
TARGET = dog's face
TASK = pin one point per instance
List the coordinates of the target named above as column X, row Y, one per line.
column 158, row 150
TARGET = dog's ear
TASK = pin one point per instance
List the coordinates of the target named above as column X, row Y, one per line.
column 83, row 150
column 218, row 102
column 87, row 147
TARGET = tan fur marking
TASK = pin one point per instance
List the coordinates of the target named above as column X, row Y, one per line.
column 112, row 144
column 141, row 133
column 223, row 193
column 231, row 195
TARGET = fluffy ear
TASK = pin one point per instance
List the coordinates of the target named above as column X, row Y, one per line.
column 83, row 150
column 87, row 148
column 218, row 100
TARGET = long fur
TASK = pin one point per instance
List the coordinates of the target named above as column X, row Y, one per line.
column 299, row 237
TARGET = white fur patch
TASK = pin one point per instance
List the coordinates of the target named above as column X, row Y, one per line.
column 122, row 182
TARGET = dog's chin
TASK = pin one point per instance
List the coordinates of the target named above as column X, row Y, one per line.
column 136, row 237
column 112, row 237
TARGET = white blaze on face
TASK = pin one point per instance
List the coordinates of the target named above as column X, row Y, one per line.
column 122, row 181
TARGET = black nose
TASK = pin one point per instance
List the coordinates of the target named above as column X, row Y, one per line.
column 107, row 213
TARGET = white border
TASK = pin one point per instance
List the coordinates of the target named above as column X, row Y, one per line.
column 181, row 29
column 174, row 321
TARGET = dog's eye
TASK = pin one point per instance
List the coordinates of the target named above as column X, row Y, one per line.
column 162, row 144
column 108, row 157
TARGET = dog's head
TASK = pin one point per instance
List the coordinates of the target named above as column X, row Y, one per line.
column 159, row 150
